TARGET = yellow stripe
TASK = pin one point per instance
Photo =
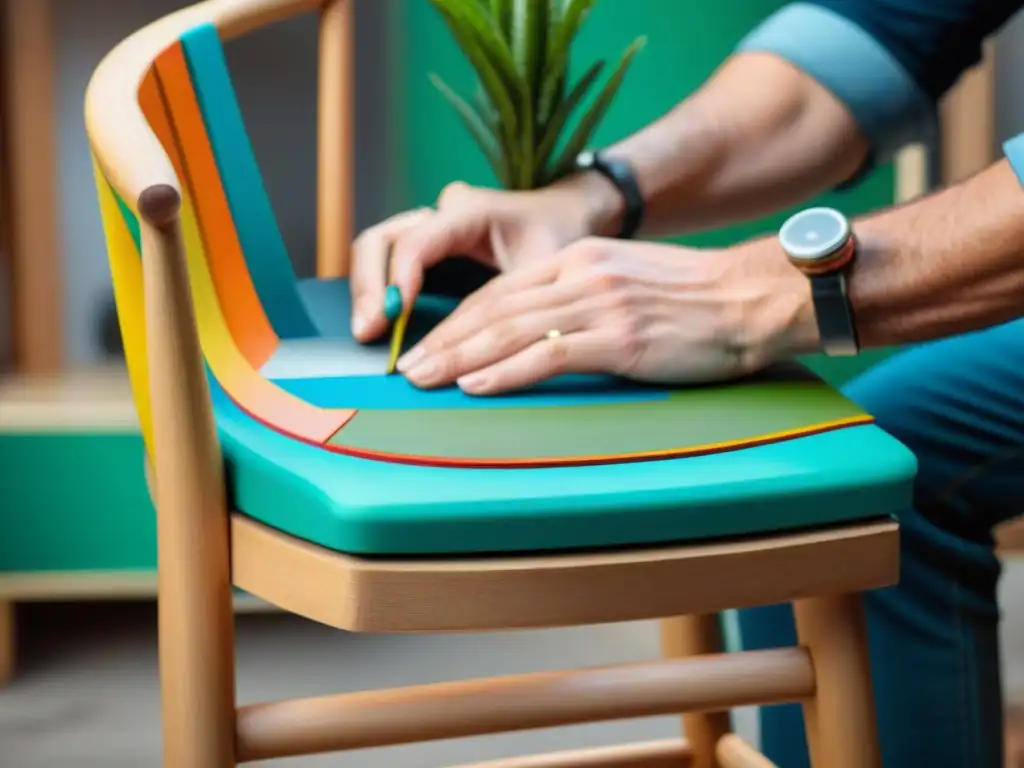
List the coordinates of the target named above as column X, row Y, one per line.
column 126, row 271
column 261, row 398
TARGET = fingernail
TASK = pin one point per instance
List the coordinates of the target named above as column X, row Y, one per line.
column 423, row 372
column 473, row 381
column 358, row 325
column 409, row 359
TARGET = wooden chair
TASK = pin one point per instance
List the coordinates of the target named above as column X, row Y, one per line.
column 275, row 471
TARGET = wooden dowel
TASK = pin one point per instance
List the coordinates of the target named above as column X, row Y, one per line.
column 686, row 637
column 496, row 705
column 336, row 131
column 912, row 173
column 968, row 135
column 37, row 292
column 8, row 645
column 734, row 752
column 672, row 753
column 842, row 726
column 196, row 629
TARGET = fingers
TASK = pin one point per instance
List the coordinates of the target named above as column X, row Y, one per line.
column 584, row 352
column 490, row 310
column 446, row 234
column 369, row 277
column 501, row 296
column 503, row 337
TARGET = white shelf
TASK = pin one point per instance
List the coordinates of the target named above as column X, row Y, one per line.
column 84, row 400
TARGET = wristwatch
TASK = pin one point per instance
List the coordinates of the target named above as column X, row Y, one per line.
column 820, row 243
column 619, row 173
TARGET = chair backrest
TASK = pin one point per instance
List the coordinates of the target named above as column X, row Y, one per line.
column 241, row 277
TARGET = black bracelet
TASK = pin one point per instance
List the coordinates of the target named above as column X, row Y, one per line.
column 619, row 173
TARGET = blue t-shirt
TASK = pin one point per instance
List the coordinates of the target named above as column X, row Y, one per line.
column 889, row 61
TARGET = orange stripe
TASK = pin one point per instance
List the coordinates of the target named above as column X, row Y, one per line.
column 239, row 302
column 260, row 398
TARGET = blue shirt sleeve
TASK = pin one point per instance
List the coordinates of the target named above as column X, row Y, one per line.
column 1013, row 149
column 889, row 61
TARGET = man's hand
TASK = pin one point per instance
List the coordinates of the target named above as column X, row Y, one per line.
column 644, row 311
column 498, row 228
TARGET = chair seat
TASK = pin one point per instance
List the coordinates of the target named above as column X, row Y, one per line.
column 582, row 462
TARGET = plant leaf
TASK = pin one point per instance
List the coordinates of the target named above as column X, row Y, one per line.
column 565, row 109
column 593, row 116
column 486, row 109
column 478, row 128
column 499, row 82
column 548, row 99
column 501, row 13
column 555, row 12
column 529, row 41
column 529, row 38
column 491, row 57
column 472, row 27
column 560, row 39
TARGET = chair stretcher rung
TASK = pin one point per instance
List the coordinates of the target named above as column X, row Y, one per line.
column 495, row 705
column 671, row 753
column 733, row 752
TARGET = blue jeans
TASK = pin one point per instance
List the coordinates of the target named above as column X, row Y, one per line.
column 958, row 404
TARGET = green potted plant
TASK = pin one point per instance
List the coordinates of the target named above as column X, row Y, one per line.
column 522, row 114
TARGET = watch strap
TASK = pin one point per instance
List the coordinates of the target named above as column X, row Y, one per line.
column 836, row 324
column 619, row 173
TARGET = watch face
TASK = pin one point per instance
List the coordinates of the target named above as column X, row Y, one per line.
column 585, row 160
column 814, row 234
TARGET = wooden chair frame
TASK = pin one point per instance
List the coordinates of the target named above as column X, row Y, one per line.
column 204, row 548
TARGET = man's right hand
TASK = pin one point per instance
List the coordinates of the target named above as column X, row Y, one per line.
column 498, row 228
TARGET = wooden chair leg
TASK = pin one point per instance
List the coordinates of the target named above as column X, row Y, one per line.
column 842, row 731
column 692, row 636
column 7, row 642
column 196, row 617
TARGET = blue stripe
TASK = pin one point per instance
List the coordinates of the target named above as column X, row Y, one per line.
column 396, row 393
column 264, row 248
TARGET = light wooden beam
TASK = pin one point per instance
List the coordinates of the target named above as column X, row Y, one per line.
column 31, row 148
column 967, row 116
column 336, row 137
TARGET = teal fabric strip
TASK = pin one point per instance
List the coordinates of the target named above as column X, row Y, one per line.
column 264, row 248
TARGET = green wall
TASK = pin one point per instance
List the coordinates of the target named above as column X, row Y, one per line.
column 686, row 42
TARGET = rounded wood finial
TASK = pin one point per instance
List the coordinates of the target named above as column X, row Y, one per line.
column 159, row 204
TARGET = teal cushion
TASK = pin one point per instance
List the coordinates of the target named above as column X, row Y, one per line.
column 367, row 506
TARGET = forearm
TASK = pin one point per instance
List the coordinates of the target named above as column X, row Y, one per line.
column 948, row 264
column 759, row 136
column 811, row 94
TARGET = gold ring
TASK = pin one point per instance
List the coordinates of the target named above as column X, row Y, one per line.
column 554, row 333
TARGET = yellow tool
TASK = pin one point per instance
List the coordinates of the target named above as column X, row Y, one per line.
column 397, row 334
